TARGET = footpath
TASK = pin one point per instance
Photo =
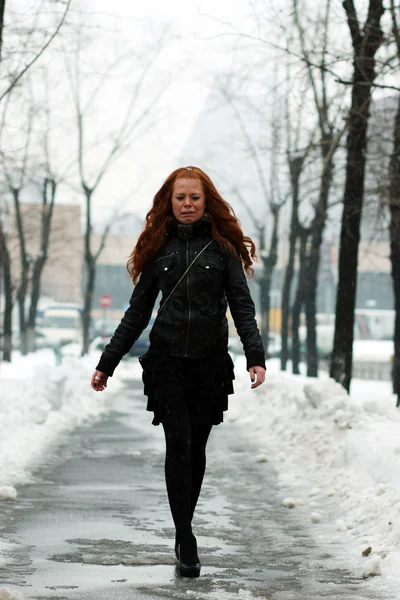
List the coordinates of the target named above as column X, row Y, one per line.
column 95, row 524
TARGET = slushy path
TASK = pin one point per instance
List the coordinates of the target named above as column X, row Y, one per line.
column 96, row 524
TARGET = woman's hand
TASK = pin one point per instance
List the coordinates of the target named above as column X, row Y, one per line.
column 257, row 375
column 99, row 381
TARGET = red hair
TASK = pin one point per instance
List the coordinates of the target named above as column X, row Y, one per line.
column 225, row 226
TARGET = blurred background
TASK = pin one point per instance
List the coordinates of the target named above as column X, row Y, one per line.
column 99, row 102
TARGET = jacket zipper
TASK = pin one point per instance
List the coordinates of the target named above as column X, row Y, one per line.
column 166, row 256
column 188, row 297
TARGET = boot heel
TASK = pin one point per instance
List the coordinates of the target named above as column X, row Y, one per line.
column 188, row 569
column 192, row 570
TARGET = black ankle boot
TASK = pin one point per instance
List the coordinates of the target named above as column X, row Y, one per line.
column 189, row 563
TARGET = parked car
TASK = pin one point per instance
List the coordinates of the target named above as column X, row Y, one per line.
column 62, row 324
column 140, row 346
column 105, row 328
column 142, row 343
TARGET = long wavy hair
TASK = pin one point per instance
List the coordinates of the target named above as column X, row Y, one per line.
column 225, row 226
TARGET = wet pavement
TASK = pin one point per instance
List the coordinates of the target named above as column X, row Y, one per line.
column 95, row 524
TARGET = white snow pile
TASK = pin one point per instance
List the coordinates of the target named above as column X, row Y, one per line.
column 7, row 594
column 8, row 492
column 339, row 455
column 40, row 401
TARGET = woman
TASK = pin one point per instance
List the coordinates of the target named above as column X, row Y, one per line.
column 192, row 250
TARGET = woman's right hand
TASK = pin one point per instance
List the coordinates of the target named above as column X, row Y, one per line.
column 99, row 381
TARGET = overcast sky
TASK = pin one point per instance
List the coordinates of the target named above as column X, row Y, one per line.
column 203, row 49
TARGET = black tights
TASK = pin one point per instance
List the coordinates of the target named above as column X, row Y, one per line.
column 185, row 464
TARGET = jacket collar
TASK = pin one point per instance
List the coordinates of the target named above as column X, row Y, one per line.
column 188, row 231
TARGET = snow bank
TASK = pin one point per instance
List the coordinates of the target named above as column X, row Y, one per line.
column 7, row 594
column 40, row 401
column 347, row 448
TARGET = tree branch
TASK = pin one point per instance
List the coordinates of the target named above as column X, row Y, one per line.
column 38, row 55
column 395, row 27
column 368, row 83
column 352, row 21
column 249, row 142
column 323, row 58
column 309, row 69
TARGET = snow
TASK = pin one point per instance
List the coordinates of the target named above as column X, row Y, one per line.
column 373, row 567
column 39, row 402
column 7, row 594
column 337, row 456
column 333, row 450
column 8, row 492
column 289, row 502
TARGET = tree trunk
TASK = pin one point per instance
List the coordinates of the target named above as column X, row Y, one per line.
column 286, row 294
column 265, row 299
column 47, row 214
column 5, row 263
column 394, row 187
column 365, row 45
column 296, row 166
column 21, row 300
column 87, row 307
column 35, row 295
column 269, row 264
column 261, row 284
column 2, row 11
column 90, row 263
column 24, row 273
column 299, row 301
column 318, row 226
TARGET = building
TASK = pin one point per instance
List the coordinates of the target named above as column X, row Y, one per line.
column 64, row 272
column 61, row 277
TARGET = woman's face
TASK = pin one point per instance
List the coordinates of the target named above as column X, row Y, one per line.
column 188, row 200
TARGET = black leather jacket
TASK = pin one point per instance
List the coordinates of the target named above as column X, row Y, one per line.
column 193, row 321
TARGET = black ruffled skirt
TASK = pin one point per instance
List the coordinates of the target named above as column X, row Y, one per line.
column 201, row 385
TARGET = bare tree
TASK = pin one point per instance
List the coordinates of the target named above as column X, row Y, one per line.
column 330, row 136
column 303, row 234
column 15, row 76
column 48, row 200
column 5, row 261
column 273, row 198
column 394, row 206
column 128, row 130
column 5, row 277
column 17, row 169
column 15, row 173
column 2, row 11
column 296, row 158
column 366, row 42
